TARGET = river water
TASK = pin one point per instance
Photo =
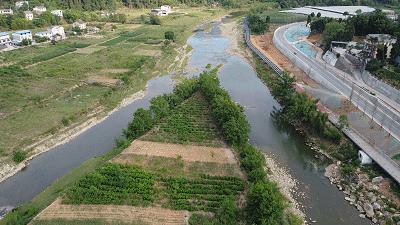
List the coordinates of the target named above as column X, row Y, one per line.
column 322, row 202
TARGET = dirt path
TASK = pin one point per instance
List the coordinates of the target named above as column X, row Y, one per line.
column 189, row 153
column 121, row 213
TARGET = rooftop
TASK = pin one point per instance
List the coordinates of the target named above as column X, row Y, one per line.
column 22, row 32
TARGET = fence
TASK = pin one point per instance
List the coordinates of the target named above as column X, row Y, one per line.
column 272, row 65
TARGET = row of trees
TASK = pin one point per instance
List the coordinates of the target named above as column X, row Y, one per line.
column 299, row 3
column 257, row 23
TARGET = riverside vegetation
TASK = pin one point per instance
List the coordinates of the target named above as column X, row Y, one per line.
column 301, row 112
column 105, row 182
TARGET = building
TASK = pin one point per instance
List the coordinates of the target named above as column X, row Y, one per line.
column 385, row 40
column 166, row 8
column 6, row 12
column 19, row 4
column 28, row 15
column 162, row 11
column 57, row 32
column 39, row 9
column 391, row 14
column 19, row 36
column 79, row 24
column 53, row 33
column 57, row 12
column 43, row 34
column 5, row 38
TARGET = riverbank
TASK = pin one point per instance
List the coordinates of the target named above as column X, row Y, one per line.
column 356, row 184
column 71, row 128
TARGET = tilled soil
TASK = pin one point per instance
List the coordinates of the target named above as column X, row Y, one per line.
column 122, row 213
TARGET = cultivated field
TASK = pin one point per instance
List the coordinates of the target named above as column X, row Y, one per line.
column 45, row 88
column 157, row 182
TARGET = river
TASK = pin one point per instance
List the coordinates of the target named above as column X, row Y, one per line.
column 322, row 201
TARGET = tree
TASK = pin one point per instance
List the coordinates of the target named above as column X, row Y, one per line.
column 312, row 14
column 318, row 15
column 20, row 23
column 159, row 107
column 257, row 24
column 335, row 31
column 169, row 35
column 265, row 204
column 308, row 19
column 346, row 13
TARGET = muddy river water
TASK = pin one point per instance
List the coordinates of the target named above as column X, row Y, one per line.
column 321, row 201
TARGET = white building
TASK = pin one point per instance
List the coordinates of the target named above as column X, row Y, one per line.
column 43, row 34
column 57, row 12
column 53, row 33
column 162, row 11
column 19, row 4
column 39, row 9
column 57, row 32
column 381, row 39
column 28, row 15
column 6, row 11
column 79, row 24
column 5, row 38
column 166, row 8
column 19, row 36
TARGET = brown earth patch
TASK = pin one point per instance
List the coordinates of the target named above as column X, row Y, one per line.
column 89, row 50
column 264, row 44
column 102, row 80
column 188, row 153
column 166, row 166
column 314, row 38
column 122, row 213
column 386, row 190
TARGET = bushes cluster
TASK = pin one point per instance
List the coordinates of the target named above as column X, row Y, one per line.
column 229, row 115
column 145, row 119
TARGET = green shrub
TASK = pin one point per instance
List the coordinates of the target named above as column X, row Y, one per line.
column 19, row 156
column 141, row 123
column 22, row 217
column 265, row 204
column 169, row 35
column 154, row 20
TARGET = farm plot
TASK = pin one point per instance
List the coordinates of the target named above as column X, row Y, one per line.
column 113, row 184
column 202, row 194
column 189, row 123
column 166, row 166
column 58, row 213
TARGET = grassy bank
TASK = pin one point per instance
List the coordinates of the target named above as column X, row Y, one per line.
column 49, row 87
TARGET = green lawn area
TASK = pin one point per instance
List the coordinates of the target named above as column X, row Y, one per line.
column 46, row 85
column 190, row 122
column 281, row 17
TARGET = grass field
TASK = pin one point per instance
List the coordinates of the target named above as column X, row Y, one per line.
column 191, row 122
column 283, row 18
column 44, row 88
column 390, row 75
column 83, row 222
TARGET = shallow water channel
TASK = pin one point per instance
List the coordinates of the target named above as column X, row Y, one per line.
column 322, row 202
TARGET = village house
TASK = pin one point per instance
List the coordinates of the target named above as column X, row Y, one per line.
column 39, row 9
column 53, row 33
column 391, row 14
column 6, row 12
column 28, row 15
column 57, row 12
column 162, row 11
column 5, row 38
column 19, row 4
column 377, row 40
column 19, row 36
column 79, row 24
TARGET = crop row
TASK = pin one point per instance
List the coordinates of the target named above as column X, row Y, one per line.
column 113, row 184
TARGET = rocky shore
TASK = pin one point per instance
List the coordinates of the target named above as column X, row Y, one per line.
column 371, row 197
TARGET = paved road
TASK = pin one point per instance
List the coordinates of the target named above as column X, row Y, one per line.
column 383, row 111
